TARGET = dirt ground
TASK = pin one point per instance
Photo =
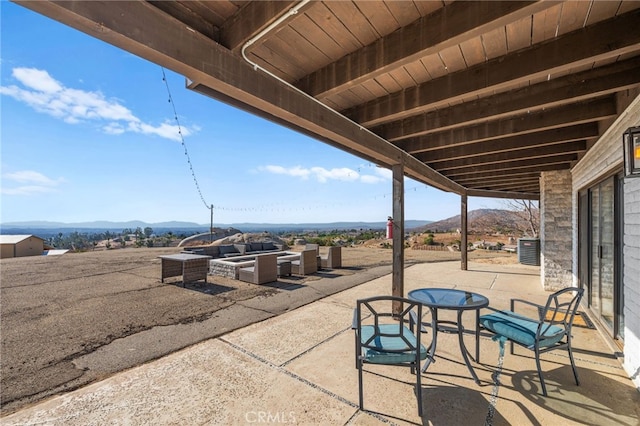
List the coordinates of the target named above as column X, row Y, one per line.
column 67, row 321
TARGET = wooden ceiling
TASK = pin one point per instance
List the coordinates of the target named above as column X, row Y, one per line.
column 477, row 98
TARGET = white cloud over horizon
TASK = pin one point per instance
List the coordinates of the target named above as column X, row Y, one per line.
column 45, row 94
column 322, row 175
column 29, row 182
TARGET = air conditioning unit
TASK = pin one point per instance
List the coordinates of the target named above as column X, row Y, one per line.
column 529, row 251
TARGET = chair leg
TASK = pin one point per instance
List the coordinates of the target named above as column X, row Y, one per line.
column 544, row 388
column 573, row 364
column 419, row 390
column 360, row 395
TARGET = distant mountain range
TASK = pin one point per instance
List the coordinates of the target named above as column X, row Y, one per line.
column 97, row 226
column 482, row 220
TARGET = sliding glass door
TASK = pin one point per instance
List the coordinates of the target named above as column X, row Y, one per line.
column 599, row 227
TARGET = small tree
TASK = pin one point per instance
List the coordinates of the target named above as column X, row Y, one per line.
column 528, row 212
column 148, row 231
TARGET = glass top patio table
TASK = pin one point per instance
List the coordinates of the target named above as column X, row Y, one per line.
column 450, row 299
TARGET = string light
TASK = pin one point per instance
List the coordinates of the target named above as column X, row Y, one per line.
column 184, row 145
column 262, row 208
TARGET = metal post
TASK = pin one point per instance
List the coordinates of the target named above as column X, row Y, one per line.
column 463, row 231
column 397, row 288
column 211, row 227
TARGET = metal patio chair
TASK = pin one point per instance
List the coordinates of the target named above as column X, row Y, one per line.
column 382, row 337
column 549, row 331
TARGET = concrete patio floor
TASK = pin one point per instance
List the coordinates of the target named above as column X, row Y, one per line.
column 298, row 368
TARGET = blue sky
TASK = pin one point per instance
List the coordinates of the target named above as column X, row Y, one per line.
column 88, row 133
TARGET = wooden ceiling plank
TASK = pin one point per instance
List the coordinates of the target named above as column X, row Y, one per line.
column 601, row 10
column 374, row 87
column 428, row 7
column 443, row 28
column 269, row 56
column 321, row 40
column 525, row 154
column 296, row 52
column 552, row 118
column 472, row 51
column 217, row 72
column 548, row 94
column 495, row 43
column 513, row 143
column 452, row 59
column 327, row 20
column 519, row 34
column 606, row 39
column 250, row 20
column 379, row 16
column 434, row 66
column 545, row 24
column 418, row 72
column 357, row 23
column 388, row 83
column 402, row 77
column 628, row 5
column 573, row 16
column 404, row 12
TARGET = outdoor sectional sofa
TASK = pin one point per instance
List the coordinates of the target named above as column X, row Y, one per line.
column 232, row 250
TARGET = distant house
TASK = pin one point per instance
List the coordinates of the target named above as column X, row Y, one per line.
column 20, row 245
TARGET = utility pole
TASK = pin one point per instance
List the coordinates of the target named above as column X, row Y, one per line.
column 211, row 227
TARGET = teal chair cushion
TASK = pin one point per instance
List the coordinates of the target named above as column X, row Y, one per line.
column 388, row 339
column 521, row 329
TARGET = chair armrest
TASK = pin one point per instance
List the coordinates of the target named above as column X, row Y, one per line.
column 354, row 323
column 527, row 302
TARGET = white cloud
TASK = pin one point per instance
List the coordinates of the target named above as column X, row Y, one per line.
column 44, row 94
column 28, row 182
column 323, row 175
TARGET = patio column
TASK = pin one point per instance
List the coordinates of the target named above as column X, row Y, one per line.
column 397, row 287
column 463, row 231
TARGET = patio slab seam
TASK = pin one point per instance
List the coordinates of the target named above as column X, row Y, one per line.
column 287, row 372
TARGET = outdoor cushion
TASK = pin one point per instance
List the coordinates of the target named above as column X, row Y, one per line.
column 375, row 352
column 268, row 245
column 256, row 246
column 228, row 249
column 521, row 329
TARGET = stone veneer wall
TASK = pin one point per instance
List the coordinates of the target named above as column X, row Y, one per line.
column 555, row 230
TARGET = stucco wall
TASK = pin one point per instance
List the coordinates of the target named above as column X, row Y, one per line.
column 6, row 251
column 32, row 246
column 605, row 157
column 555, row 230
